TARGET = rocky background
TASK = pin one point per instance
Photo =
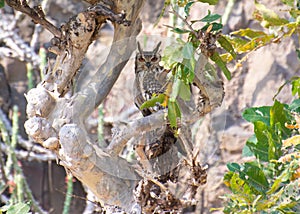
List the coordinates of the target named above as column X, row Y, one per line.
column 222, row 133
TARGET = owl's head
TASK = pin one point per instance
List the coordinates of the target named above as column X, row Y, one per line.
column 147, row 60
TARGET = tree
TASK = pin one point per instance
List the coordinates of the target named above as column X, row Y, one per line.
column 56, row 121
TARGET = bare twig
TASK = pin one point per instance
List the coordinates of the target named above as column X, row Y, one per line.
column 185, row 22
column 36, row 14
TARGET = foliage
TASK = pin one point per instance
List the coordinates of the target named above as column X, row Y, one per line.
column 248, row 40
column 182, row 55
column 271, row 182
column 20, row 207
column 2, row 3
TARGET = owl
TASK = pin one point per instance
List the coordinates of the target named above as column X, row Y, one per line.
column 150, row 77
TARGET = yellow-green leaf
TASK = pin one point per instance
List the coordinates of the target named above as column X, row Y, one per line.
column 173, row 113
column 222, row 65
column 227, row 45
column 267, row 16
column 292, row 141
column 249, row 33
column 153, row 101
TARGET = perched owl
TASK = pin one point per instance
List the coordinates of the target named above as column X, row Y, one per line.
column 150, row 77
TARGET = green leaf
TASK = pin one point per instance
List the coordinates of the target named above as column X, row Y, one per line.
column 295, row 106
column 180, row 31
column 296, row 87
column 246, row 150
column 260, row 148
column 188, row 51
column 172, row 55
column 188, row 67
column 210, row 2
column 257, row 114
column 173, row 113
column 249, row 33
column 175, row 89
column 277, row 114
column 288, row 2
column 267, row 17
column 153, row 101
column 284, row 176
column 210, row 18
column 188, row 7
column 222, row 65
column 239, row 187
column 185, row 92
column 233, row 167
column 227, row 46
column 2, row 3
column 20, row 208
column 278, row 117
column 254, row 177
column 215, row 27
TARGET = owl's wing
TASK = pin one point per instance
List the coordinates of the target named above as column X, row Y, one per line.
column 139, row 98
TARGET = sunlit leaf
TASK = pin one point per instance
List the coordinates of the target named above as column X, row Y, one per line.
column 153, row 101
column 254, row 177
column 222, row 65
column 267, row 17
column 237, row 42
column 296, row 87
column 21, row 208
column 226, row 57
column 249, row 33
column 257, row 114
column 173, row 113
column 255, row 43
column 294, row 13
column 261, row 148
column 278, row 114
column 292, row 141
column 227, row 46
column 284, row 176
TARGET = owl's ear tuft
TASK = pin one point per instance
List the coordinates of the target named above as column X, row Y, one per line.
column 156, row 48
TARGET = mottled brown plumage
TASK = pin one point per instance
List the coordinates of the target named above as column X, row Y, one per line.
column 150, row 79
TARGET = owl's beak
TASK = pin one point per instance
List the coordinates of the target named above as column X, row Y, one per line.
column 148, row 64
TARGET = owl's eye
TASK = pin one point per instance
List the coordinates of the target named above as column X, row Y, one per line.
column 141, row 59
column 154, row 59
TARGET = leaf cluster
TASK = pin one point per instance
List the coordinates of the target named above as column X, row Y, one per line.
column 268, row 183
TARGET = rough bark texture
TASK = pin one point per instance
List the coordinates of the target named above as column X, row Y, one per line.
column 56, row 121
column 57, row 114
